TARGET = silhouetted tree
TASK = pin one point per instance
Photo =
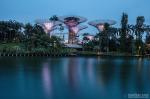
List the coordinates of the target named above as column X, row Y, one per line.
column 35, row 37
column 123, row 32
column 10, row 31
column 139, row 31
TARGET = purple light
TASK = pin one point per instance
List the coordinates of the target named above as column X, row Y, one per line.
column 48, row 25
column 99, row 24
column 47, row 79
column 72, row 23
column 90, row 37
column 100, row 27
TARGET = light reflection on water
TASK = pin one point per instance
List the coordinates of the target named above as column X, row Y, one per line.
column 46, row 75
column 73, row 78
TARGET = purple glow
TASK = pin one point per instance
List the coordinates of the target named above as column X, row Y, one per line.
column 100, row 27
column 77, row 29
column 46, row 75
column 74, row 29
column 99, row 24
column 48, row 25
column 90, row 37
column 72, row 23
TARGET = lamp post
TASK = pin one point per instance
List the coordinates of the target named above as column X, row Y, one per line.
column 54, row 44
column 139, row 50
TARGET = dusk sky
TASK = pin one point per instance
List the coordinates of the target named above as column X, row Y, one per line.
column 30, row 10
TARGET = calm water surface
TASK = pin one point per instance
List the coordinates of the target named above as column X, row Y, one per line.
column 73, row 77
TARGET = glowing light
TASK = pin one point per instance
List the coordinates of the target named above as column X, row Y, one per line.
column 101, row 27
column 75, row 29
column 72, row 23
column 46, row 78
column 90, row 37
column 99, row 24
column 48, row 26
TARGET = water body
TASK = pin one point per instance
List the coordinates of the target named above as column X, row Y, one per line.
column 73, row 77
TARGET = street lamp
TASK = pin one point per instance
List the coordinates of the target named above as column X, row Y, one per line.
column 139, row 50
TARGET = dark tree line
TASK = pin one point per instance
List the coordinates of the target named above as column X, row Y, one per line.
column 32, row 38
column 126, row 39
column 10, row 31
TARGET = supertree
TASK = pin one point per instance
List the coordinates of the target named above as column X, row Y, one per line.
column 105, row 31
column 99, row 24
column 72, row 22
column 48, row 25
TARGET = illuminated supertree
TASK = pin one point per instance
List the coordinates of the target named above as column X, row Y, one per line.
column 48, row 25
column 72, row 23
column 104, row 32
column 99, row 24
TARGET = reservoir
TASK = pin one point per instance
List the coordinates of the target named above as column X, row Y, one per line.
column 73, row 77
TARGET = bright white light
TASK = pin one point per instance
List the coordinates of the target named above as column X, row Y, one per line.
column 66, row 41
column 48, row 26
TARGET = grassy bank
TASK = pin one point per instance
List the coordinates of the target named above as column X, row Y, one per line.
column 18, row 49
